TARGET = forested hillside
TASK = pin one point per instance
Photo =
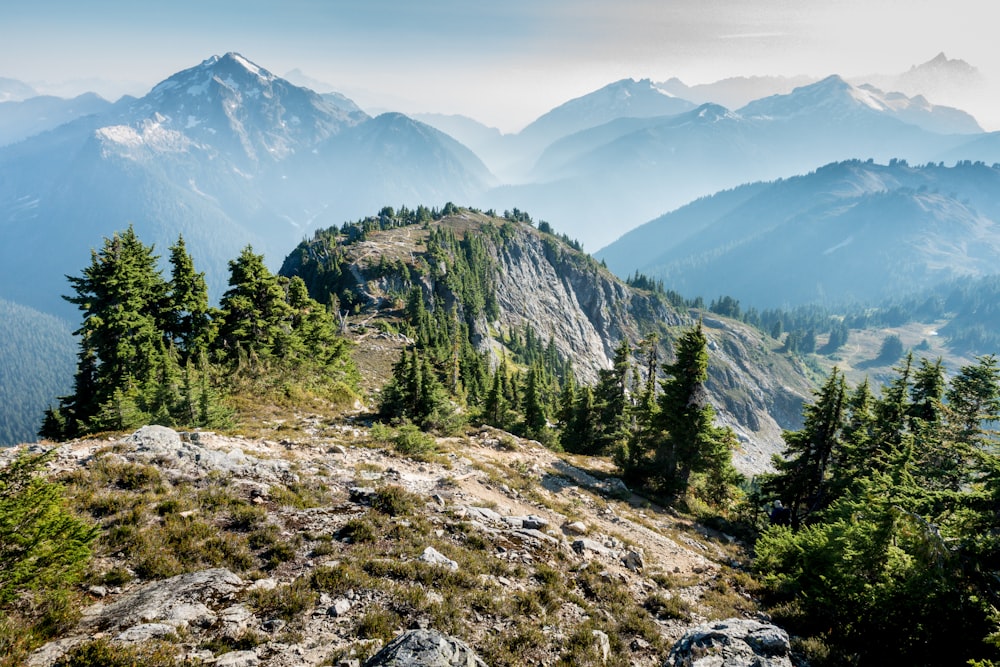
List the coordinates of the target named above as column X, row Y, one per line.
column 36, row 364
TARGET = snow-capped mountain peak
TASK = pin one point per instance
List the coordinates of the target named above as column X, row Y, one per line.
column 836, row 98
column 241, row 109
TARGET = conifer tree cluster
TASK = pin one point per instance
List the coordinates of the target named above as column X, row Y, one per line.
column 152, row 350
column 886, row 544
column 661, row 435
column 519, row 395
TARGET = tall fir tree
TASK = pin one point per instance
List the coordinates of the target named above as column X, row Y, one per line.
column 688, row 440
column 121, row 295
column 801, row 480
column 255, row 313
column 187, row 315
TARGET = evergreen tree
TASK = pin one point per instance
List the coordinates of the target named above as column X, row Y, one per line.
column 535, row 422
column 121, row 294
column 688, row 441
column 187, row 315
column 43, row 547
column 611, row 402
column 255, row 313
column 801, row 480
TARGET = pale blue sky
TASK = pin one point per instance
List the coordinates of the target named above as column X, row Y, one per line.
column 503, row 62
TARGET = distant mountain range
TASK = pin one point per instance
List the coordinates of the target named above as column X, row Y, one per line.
column 22, row 119
column 224, row 153
column 850, row 231
column 595, row 182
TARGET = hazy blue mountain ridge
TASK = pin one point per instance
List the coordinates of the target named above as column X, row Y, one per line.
column 852, row 230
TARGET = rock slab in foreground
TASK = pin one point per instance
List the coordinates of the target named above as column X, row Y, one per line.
column 425, row 648
column 735, row 642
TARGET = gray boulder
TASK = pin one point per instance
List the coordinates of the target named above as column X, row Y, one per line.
column 735, row 642
column 425, row 648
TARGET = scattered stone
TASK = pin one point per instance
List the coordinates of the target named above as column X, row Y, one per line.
column 145, row 632
column 178, row 601
column 633, row 560
column 483, row 514
column 735, row 642
column 339, row 608
column 577, row 528
column 527, row 522
column 603, row 644
column 435, row 557
column 583, row 545
column 361, row 494
column 274, row 624
column 267, row 584
column 238, row 659
column 425, row 648
column 336, row 449
column 98, row 591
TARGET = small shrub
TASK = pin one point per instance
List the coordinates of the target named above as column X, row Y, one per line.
column 394, row 501
column 665, row 607
column 280, row 552
column 336, row 580
column 378, row 624
column 284, row 602
column 358, row 531
column 411, row 441
column 102, row 653
column 246, row 517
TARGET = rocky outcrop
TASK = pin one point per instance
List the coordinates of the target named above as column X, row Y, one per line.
column 736, row 642
column 425, row 648
column 567, row 297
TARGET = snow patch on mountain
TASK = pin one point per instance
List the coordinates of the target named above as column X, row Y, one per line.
column 148, row 137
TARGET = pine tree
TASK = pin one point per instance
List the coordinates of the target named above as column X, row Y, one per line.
column 122, row 295
column 533, row 406
column 611, row 401
column 688, row 441
column 255, row 313
column 42, row 545
column 187, row 314
column 801, row 480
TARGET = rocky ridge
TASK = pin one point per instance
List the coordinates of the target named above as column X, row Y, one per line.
column 586, row 311
column 524, row 555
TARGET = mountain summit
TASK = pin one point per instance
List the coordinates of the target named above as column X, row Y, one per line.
column 225, row 153
column 243, row 110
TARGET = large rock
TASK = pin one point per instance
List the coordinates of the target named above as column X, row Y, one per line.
column 425, row 648
column 735, row 642
column 178, row 601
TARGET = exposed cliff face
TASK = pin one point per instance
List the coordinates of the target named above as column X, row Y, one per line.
column 567, row 297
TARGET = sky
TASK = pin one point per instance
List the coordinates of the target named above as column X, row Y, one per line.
column 503, row 62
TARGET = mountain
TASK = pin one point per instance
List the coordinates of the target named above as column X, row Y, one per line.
column 938, row 78
column 37, row 361
column 734, row 92
column 12, row 90
column 225, row 153
column 848, row 231
column 600, row 182
column 22, row 119
column 833, row 98
column 627, row 98
column 571, row 304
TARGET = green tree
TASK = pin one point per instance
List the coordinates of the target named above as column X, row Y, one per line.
column 43, row 547
column 187, row 316
column 611, row 402
column 801, row 480
column 122, row 296
column 255, row 314
column 689, row 441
